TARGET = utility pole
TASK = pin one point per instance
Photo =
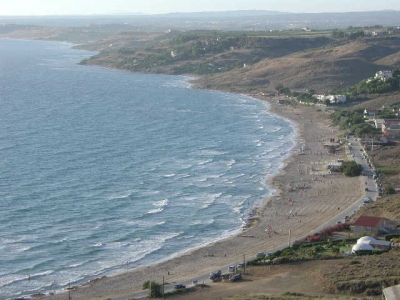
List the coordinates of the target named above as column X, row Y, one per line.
column 244, row 263
column 69, row 290
column 163, row 282
column 150, row 288
column 290, row 235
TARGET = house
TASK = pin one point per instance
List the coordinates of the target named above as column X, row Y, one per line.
column 333, row 99
column 391, row 293
column 372, row 226
column 376, row 33
column 378, row 123
column 383, row 75
column 370, row 113
column 283, row 102
column 391, row 128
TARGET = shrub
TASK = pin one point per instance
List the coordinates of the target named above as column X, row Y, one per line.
column 351, row 168
column 390, row 190
column 388, row 171
column 390, row 236
column 155, row 291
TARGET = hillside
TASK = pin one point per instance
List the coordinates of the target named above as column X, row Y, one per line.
column 255, row 62
column 330, row 67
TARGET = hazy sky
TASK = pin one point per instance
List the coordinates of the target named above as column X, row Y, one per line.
column 88, row 7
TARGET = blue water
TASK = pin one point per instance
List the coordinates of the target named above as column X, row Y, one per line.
column 104, row 170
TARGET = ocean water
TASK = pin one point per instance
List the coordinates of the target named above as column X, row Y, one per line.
column 103, row 171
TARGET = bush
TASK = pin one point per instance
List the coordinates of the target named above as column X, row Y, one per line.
column 156, row 291
column 387, row 171
column 390, row 236
column 312, row 244
column 390, row 190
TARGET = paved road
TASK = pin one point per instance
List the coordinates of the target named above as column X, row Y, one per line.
column 357, row 153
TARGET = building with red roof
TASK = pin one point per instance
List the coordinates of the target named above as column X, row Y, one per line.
column 372, row 226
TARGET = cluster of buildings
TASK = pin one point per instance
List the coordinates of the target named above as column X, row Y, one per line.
column 338, row 99
column 383, row 75
column 333, row 99
column 390, row 127
column 369, row 227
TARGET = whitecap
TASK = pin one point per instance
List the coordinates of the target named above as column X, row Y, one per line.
column 161, row 203
column 155, row 211
column 121, row 196
column 231, row 163
column 169, row 175
column 41, row 274
column 77, row 265
column 204, row 162
column 277, row 129
column 210, row 199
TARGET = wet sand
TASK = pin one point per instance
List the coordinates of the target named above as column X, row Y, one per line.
column 305, row 199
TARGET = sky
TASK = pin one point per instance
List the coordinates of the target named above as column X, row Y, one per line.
column 94, row 7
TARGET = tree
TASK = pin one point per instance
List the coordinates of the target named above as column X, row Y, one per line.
column 336, row 34
column 155, row 290
column 351, row 168
column 390, row 190
column 283, row 90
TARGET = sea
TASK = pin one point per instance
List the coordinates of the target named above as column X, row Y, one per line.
column 103, row 171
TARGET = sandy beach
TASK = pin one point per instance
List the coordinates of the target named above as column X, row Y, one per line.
column 304, row 200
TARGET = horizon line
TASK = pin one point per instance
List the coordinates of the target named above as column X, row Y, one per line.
column 194, row 12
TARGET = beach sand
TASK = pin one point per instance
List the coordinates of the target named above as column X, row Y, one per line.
column 304, row 200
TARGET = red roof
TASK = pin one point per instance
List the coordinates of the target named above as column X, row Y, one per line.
column 367, row 221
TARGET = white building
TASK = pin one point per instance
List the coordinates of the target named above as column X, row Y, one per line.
column 391, row 293
column 333, row 99
column 383, row 75
column 370, row 243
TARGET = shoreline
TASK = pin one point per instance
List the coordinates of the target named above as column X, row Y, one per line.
column 301, row 211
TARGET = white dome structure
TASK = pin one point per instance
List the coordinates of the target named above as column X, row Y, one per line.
column 365, row 240
column 357, row 247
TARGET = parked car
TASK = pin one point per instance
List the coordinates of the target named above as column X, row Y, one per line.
column 179, row 286
column 260, row 254
column 232, row 268
column 235, row 277
column 215, row 275
column 367, row 200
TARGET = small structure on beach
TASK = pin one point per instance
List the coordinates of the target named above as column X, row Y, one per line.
column 335, row 166
column 332, row 147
